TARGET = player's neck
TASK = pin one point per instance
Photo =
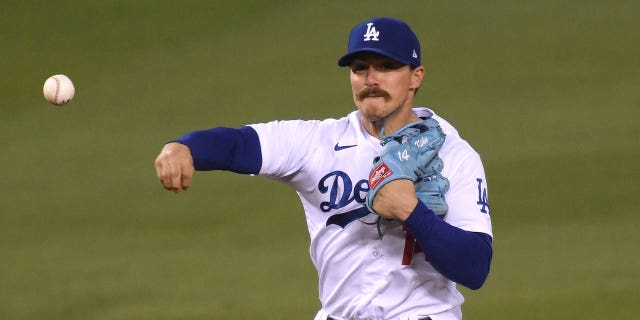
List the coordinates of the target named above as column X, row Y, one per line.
column 391, row 124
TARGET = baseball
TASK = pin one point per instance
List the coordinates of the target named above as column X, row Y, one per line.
column 58, row 89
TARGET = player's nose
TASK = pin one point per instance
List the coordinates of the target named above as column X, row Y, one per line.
column 371, row 77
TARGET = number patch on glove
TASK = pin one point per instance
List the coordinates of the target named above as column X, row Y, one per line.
column 404, row 155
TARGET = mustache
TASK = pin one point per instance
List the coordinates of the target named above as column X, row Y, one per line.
column 373, row 92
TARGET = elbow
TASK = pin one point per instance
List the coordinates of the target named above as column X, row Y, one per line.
column 477, row 274
column 480, row 270
column 477, row 282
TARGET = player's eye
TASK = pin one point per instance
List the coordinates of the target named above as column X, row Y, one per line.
column 388, row 66
column 358, row 67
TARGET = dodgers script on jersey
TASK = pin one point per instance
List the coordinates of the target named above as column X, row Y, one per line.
column 361, row 276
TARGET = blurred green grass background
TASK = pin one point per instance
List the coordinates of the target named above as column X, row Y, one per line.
column 546, row 91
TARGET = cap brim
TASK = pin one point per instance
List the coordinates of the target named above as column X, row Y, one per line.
column 346, row 59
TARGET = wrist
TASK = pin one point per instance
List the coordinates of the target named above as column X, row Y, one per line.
column 407, row 209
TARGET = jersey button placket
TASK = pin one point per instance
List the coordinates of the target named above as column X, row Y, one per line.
column 377, row 252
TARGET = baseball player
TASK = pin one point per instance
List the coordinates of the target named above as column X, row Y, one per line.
column 395, row 200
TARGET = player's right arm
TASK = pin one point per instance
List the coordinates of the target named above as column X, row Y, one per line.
column 236, row 150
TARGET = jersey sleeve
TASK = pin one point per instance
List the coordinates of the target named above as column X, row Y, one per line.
column 468, row 196
column 284, row 146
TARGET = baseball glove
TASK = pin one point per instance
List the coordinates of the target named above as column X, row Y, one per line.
column 407, row 154
column 432, row 188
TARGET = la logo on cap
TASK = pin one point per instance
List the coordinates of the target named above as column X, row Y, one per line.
column 371, row 33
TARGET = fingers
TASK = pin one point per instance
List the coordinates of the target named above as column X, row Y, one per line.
column 186, row 175
column 176, row 178
column 174, row 167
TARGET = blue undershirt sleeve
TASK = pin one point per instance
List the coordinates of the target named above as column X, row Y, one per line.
column 459, row 255
column 236, row 150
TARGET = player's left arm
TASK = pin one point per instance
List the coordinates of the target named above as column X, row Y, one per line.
column 460, row 246
column 459, row 255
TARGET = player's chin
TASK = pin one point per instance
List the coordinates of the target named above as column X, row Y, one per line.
column 373, row 110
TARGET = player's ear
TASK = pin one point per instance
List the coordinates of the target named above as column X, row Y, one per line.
column 417, row 75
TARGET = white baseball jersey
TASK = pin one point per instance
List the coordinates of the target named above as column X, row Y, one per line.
column 360, row 275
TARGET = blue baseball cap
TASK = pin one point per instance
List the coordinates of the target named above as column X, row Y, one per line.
column 386, row 36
